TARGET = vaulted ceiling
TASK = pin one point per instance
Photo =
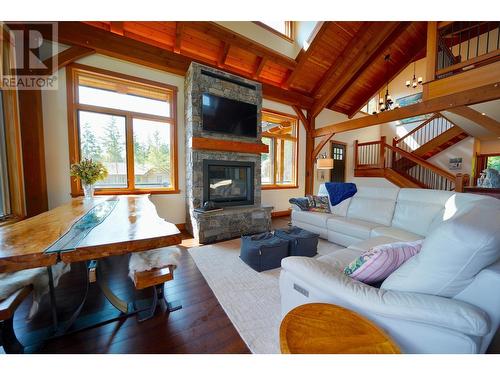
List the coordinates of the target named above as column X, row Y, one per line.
column 342, row 69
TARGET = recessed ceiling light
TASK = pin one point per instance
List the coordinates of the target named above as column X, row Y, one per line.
column 484, row 114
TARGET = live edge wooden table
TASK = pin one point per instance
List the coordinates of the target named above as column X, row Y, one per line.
column 320, row 328
column 85, row 230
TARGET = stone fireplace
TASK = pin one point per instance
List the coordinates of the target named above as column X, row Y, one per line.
column 220, row 167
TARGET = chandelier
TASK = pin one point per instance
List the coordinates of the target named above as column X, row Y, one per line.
column 414, row 81
column 386, row 103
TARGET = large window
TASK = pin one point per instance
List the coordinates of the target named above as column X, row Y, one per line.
column 279, row 165
column 126, row 123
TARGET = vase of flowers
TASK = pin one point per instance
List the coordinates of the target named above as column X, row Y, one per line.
column 89, row 172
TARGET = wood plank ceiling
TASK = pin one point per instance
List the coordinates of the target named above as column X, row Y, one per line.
column 342, row 68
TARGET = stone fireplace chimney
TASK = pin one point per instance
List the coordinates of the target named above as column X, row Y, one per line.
column 204, row 146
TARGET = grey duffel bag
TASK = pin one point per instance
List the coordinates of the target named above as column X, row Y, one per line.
column 301, row 242
column 263, row 251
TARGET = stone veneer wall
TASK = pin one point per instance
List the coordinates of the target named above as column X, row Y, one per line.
column 196, row 83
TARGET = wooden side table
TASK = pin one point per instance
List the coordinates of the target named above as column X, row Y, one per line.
column 320, row 328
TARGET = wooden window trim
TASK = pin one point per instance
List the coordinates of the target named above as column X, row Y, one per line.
column 73, row 134
column 289, row 35
column 275, row 138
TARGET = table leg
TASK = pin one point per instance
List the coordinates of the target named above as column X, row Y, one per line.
column 53, row 302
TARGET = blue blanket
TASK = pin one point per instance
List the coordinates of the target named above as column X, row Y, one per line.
column 339, row 191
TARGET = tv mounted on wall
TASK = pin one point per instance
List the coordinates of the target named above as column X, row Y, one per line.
column 229, row 116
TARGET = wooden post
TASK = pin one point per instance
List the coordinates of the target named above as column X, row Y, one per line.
column 356, row 154
column 309, row 180
column 461, row 181
column 381, row 160
column 431, row 57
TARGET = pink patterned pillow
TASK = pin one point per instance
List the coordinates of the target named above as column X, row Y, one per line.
column 379, row 262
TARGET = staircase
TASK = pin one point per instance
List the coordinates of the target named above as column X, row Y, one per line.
column 430, row 138
column 410, row 169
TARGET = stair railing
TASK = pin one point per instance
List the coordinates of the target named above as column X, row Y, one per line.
column 425, row 132
column 378, row 155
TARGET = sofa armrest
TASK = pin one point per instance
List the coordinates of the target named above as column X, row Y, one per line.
column 295, row 207
column 416, row 307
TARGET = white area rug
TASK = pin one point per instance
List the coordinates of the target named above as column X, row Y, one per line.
column 250, row 299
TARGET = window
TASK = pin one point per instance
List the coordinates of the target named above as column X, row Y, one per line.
column 4, row 183
column 279, row 165
column 126, row 123
column 283, row 29
column 493, row 162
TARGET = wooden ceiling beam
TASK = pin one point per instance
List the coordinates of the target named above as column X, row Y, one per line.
column 237, row 40
column 302, row 118
column 304, row 55
column 483, row 121
column 109, row 44
column 442, row 103
column 366, row 45
column 178, row 36
column 260, row 66
column 116, row 27
column 66, row 57
column 221, row 62
column 322, row 144
column 353, row 74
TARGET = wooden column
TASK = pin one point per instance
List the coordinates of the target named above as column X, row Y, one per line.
column 431, row 56
column 381, row 158
column 309, row 183
column 461, row 181
column 33, row 151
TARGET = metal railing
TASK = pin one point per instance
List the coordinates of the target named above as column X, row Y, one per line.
column 465, row 44
column 425, row 132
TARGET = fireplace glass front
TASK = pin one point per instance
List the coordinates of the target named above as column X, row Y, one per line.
column 228, row 183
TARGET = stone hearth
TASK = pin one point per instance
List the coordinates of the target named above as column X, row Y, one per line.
column 232, row 221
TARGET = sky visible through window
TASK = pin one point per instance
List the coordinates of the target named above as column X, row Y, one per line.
column 279, row 26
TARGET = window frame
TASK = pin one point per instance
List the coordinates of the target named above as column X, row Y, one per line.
column 74, row 107
column 274, row 138
column 289, row 30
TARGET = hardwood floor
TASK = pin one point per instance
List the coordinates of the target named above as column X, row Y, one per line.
column 201, row 326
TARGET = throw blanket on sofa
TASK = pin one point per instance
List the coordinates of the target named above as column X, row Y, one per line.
column 339, row 191
column 302, row 203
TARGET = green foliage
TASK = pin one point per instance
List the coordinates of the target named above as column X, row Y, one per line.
column 112, row 143
column 158, row 153
column 494, row 162
column 89, row 171
column 90, row 145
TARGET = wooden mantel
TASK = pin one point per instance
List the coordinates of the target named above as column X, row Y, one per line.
column 231, row 146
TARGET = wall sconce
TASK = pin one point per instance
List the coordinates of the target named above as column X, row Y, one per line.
column 323, row 163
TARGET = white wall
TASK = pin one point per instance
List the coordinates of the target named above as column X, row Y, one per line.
column 328, row 117
column 279, row 197
column 169, row 206
column 490, row 147
column 463, row 149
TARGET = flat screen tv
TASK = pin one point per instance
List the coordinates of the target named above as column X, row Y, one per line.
column 229, row 116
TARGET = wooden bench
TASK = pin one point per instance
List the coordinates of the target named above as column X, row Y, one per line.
column 8, row 307
column 156, row 279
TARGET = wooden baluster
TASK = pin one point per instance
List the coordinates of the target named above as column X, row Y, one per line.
column 382, row 152
column 356, row 162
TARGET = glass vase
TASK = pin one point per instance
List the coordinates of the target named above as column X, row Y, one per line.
column 88, row 190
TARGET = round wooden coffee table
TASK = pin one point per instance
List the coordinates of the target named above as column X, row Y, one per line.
column 320, row 328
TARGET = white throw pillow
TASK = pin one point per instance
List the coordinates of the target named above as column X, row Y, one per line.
column 453, row 254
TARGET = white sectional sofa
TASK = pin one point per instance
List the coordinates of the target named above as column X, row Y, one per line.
column 443, row 300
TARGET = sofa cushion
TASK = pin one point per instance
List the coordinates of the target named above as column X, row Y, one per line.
column 341, row 258
column 370, row 243
column 313, row 218
column 417, row 209
column 353, row 227
column 395, row 233
column 374, row 210
column 341, row 208
column 378, row 263
column 453, row 253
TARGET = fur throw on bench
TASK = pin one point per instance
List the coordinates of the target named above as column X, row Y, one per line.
column 38, row 277
column 157, row 258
